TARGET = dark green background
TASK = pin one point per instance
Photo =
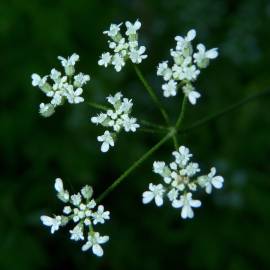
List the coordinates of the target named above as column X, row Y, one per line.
column 231, row 230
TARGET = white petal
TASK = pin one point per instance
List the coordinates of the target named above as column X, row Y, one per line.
column 177, row 204
column 103, row 239
column 59, row 185
column 47, row 221
column 191, row 35
column 86, row 246
column 195, row 203
column 105, row 147
column 218, row 182
column 97, row 250
column 158, row 200
column 212, row 54
column 148, row 196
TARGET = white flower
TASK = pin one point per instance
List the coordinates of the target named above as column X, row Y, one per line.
column 118, row 62
column 74, row 97
column 87, row 192
column 210, row 180
column 77, row 233
column 129, row 123
column 190, row 73
column 169, row 89
column 202, row 57
column 191, row 169
column 99, row 118
column 137, row 55
column 186, row 203
column 132, row 28
column 46, row 110
column 155, row 192
column 114, row 99
column 113, row 31
column 105, row 59
column 158, row 167
column 67, row 210
column 81, row 79
column 76, row 199
column 100, row 216
column 182, row 156
column 70, row 61
column 190, row 92
column 107, row 141
column 183, row 43
column 94, row 241
column 162, row 67
column 59, row 187
column 54, row 223
column 37, row 80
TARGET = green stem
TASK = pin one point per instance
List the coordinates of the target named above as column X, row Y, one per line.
column 182, row 113
column 150, row 130
column 97, row 106
column 152, row 94
column 147, row 123
column 155, row 99
column 135, row 165
column 224, row 111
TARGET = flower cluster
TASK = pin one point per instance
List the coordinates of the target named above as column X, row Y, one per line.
column 180, row 181
column 82, row 210
column 60, row 87
column 186, row 67
column 123, row 48
column 117, row 118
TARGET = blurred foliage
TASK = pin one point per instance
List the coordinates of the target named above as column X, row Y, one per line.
column 230, row 231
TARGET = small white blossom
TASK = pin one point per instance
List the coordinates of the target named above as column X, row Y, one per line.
column 37, row 80
column 129, row 124
column 105, row 59
column 186, row 203
column 77, row 233
column 132, row 28
column 76, row 199
column 155, row 192
column 46, row 110
column 137, row 55
column 54, row 223
column 114, row 30
column 190, row 92
column 210, row 180
column 202, row 57
column 169, row 89
column 95, row 240
column 100, row 215
column 107, row 141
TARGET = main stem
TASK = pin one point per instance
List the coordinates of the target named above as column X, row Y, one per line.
column 135, row 165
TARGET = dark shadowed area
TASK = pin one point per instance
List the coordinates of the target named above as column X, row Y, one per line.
column 231, row 229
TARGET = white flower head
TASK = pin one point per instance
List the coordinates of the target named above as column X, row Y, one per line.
column 123, row 48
